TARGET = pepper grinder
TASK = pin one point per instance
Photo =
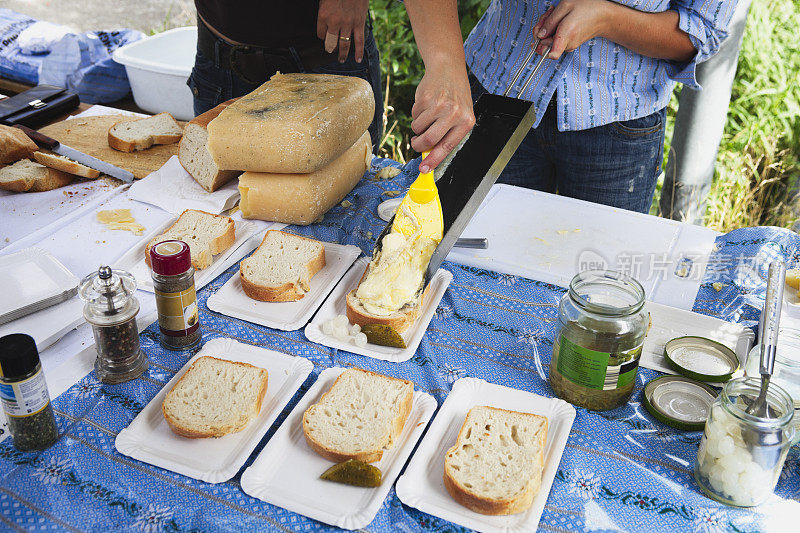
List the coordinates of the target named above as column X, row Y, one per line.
column 111, row 309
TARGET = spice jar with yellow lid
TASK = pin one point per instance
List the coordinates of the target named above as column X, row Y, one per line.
column 601, row 328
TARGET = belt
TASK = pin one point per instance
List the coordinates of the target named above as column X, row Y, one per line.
column 254, row 64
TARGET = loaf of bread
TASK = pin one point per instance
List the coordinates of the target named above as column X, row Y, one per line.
column 214, row 397
column 207, row 235
column 280, row 270
column 303, row 198
column 361, row 415
column 495, row 467
column 15, row 145
column 294, row 124
column 28, row 176
column 194, row 156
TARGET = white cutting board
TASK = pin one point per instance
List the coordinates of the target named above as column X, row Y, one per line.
column 551, row 238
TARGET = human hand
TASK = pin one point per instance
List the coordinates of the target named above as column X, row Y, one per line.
column 570, row 24
column 442, row 114
column 339, row 21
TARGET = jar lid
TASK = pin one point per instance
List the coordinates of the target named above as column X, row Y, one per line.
column 679, row 402
column 170, row 258
column 18, row 355
column 701, row 359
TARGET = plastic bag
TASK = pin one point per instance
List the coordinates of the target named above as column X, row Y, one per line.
column 14, row 65
column 39, row 37
column 82, row 63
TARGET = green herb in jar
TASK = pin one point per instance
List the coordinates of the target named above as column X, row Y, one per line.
column 596, row 352
column 24, row 395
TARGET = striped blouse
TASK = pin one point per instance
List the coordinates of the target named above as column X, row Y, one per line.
column 599, row 82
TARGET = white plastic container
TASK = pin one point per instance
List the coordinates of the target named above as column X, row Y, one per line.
column 158, row 67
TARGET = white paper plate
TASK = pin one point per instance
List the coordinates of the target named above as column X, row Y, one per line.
column 421, row 485
column 48, row 325
column 231, row 300
column 286, row 472
column 31, row 280
column 133, row 260
column 149, row 438
column 336, row 304
column 670, row 322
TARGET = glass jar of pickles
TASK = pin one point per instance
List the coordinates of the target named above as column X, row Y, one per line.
column 786, row 372
column 741, row 455
column 601, row 328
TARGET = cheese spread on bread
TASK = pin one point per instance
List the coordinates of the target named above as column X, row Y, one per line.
column 395, row 274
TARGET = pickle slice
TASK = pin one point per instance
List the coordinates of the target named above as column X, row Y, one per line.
column 353, row 472
column 383, row 335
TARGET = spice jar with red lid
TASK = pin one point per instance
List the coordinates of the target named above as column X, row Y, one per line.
column 176, row 299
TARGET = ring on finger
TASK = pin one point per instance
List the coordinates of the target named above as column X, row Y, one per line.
column 344, row 38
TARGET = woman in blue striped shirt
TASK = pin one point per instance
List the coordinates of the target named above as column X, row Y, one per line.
column 600, row 98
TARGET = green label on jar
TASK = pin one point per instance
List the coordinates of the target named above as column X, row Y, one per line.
column 591, row 369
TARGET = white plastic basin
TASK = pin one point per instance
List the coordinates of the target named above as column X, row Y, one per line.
column 158, row 67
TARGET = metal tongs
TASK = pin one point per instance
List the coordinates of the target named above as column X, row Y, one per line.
column 527, row 60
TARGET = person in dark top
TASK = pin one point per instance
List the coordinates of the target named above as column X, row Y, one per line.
column 242, row 43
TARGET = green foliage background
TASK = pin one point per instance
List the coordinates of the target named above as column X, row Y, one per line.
column 759, row 157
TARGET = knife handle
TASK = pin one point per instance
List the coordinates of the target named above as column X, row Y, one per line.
column 42, row 140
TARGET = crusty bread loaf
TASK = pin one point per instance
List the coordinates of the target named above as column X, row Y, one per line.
column 214, row 397
column 27, row 175
column 15, row 145
column 65, row 164
column 280, row 270
column 303, row 198
column 496, row 465
column 194, row 156
column 207, row 235
column 361, row 415
column 142, row 133
column 294, row 123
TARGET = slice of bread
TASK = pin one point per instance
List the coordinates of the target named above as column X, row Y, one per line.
column 214, row 397
column 361, row 415
column 281, row 268
column 194, row 156
column 27, row 175
column 15, row 145
column 142, row 133
column 496, row 465
column 400, row 321
column 65, row 164
column 207, row 235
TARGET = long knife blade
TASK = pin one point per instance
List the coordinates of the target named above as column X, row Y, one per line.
column 43, row 141
column 93, row 162
column 501, row 125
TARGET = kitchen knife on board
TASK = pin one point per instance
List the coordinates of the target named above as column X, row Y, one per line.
column 48, row 143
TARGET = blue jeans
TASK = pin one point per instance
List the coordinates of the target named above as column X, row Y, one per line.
column 212, row 84
column 615, row 164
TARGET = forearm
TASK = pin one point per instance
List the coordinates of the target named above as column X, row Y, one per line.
column 437, row 33
column 651, row 34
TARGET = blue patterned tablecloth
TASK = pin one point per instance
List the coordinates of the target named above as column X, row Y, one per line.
column 621, row 470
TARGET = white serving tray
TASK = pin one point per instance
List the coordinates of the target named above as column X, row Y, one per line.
column 286, row 472
column 48, row 325
column 133, row 259
column 336, row 304
column 214, row 460
column 421, row 485
column 231, row 300
column 669, row 323
column 32, row 280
